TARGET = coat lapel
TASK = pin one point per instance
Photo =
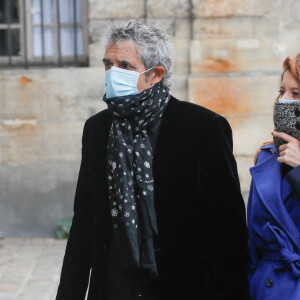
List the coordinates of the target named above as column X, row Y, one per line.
column 272, row 191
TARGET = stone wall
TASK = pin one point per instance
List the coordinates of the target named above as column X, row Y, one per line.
column 229, row 56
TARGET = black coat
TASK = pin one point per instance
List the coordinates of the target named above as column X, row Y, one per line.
column 200, row 210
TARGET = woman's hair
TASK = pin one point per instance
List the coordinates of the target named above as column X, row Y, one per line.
column 291, row 64
column 152, row 44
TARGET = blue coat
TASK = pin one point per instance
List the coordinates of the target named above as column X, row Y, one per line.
column 274, row 230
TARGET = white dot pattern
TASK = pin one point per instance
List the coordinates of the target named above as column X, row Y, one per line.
column 129, row 157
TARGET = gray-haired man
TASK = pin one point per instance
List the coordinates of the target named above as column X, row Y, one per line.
column 158, row 212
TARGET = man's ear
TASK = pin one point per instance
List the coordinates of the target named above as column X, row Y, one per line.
column 157, row 74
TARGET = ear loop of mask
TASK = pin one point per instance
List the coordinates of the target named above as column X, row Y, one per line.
column 148, row 71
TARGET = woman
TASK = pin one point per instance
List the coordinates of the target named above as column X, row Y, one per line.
column 274, row 199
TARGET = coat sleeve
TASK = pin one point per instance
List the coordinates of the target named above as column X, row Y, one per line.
column 253, row 250
column 294, row 179
column 76, row 264
column 227, row 210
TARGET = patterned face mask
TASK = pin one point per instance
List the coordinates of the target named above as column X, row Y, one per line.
column 286, row 119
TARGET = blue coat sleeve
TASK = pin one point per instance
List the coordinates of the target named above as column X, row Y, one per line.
column 294, row 179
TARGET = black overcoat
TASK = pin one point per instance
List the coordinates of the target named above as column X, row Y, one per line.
column 200, row 210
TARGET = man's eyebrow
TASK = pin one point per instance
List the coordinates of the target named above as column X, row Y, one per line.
column 125, row 62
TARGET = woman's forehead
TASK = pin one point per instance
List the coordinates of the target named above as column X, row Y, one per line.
column 288, row 80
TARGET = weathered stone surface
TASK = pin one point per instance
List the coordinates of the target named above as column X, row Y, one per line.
column 250, row 131
column 179, row 88
column 229, row 8
column 41, row 142
column 34, row 197
column 236, row 55
column 246, row 102
column 114, row 9
column 229, row 58
column 49, row 96
column 208, row 28
column 181, row 42
column 183, row 29
column 168, row 9
column 235, row 95
column 181, row 65
column 166, row 24
column 266, row 27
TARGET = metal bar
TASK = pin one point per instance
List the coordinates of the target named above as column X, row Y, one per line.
column 58, row 33
column 8, row 36
column 12, row 26
column 84, row 23
column 25, row 36
column 42, row 30
column 75, row 32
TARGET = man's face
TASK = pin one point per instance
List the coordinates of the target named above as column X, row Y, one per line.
column 124, row 55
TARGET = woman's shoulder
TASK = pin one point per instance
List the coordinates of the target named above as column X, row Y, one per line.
column 265, row 148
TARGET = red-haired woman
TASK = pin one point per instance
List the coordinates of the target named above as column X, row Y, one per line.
column 274, row 199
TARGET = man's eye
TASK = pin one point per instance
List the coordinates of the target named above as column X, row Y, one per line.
column 125, row 66
column 295, row 94
column 281, row 92
column 107, row 66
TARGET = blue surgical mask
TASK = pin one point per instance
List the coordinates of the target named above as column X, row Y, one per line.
column 121, row 82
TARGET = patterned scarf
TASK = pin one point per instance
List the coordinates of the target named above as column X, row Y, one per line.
column 130, row 178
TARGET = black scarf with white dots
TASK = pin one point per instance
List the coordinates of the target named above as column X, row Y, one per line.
column 130, row 178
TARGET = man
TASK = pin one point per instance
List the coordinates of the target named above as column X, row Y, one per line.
column 158, row 212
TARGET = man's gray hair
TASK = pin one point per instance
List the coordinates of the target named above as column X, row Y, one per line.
column 152, row 44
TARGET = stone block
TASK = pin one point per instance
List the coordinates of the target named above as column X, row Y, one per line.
column 168, row 9
column 270, row 8
column 96, row 54
column 219, row 8
column 168, row 25
column 215, row 28
column 182, row 59
column 236, row 55
column 96, row 29
column 34, row 197
column 49, row 96
column 250, row 131
column 114, row 9
column 267, row 26
column 40, row 142
column 180, row 87
column 246, row 102
column 183, row 29
column 234, row 94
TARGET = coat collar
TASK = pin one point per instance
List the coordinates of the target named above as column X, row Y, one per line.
column 273, row 190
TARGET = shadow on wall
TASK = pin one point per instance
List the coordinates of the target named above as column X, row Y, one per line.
column 41, row 200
